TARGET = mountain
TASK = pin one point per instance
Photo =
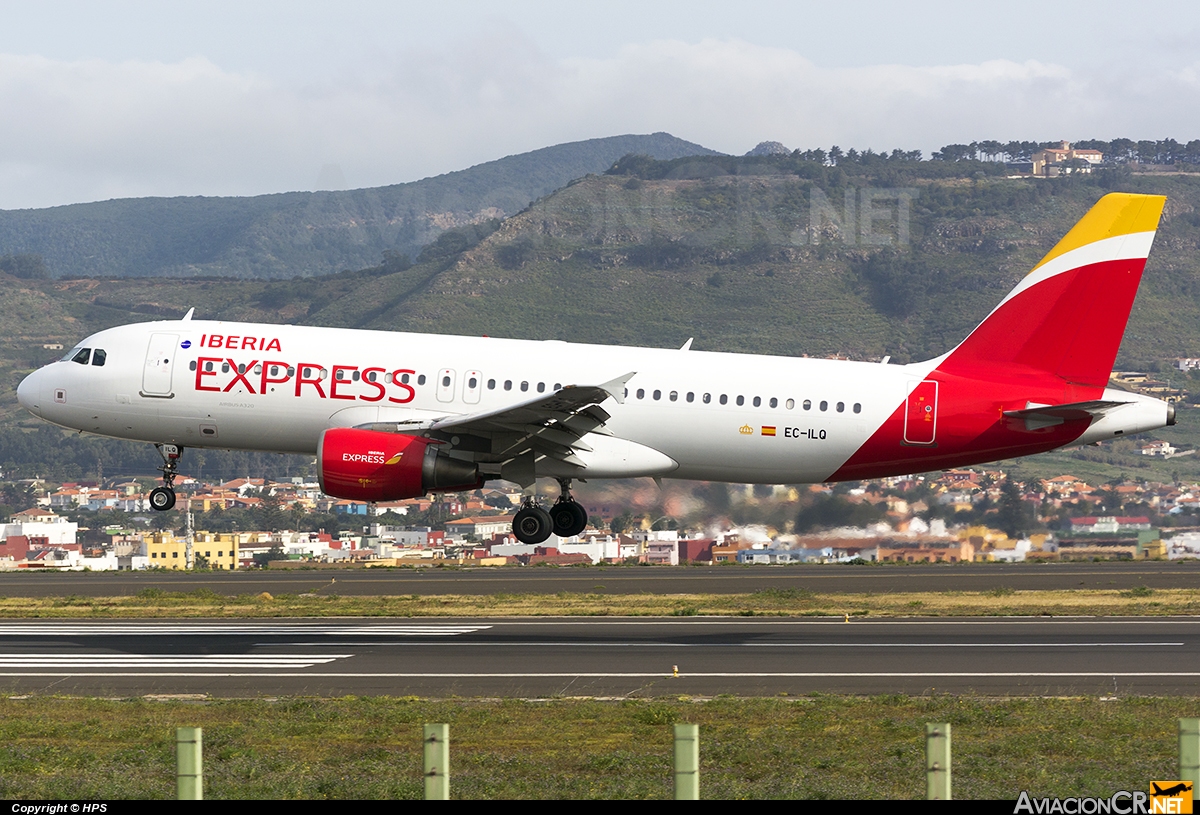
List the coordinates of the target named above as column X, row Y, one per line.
column 303, row 234
column 762, row 254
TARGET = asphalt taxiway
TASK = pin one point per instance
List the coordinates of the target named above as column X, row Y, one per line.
column 722, row 579
column 475, row 657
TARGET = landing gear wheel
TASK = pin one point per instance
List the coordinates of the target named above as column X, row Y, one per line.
column 569, row 518
column 162, row 499
column 532, row 525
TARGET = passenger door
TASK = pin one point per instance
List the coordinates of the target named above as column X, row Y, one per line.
column 160, row 360
column 920, row 414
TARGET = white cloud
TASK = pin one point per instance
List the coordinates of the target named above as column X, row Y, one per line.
column 85, row 130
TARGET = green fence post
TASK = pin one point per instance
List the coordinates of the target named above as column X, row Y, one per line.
column 937, row 762
column 437, row 762
column 189, row 764
column 687, row 762
column 1189, row 754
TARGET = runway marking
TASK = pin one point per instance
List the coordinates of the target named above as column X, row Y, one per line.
column 175, row 661
column 235, row 629
column 640, row 675
column 776, row 644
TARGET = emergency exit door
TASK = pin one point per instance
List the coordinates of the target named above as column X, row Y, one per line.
column 920, row 414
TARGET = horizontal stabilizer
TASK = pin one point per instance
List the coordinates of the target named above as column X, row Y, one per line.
column 1038, row 416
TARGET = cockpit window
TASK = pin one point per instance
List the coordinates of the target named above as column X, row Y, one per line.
column 98, row 357
column 82, row 356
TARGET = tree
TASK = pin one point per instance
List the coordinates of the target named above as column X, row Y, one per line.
column 25, row 267
column 621, row 523
column 1011, row 515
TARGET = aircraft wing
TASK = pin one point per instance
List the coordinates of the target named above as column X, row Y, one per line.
column 551, row 424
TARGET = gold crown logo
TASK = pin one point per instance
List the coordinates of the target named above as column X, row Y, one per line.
column 746, row 430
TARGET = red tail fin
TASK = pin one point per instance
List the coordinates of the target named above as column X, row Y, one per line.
column 1068, row 315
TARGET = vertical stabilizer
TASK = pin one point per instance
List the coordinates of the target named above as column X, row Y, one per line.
column 1067, row 316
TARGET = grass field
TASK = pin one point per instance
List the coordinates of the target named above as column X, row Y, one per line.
column 809, row 747
column 155, row 603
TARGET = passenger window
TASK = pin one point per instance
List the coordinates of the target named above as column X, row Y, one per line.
column 641, row 393
column 472, row 383
column 774, row 402
column 741, row 400
column 291, row 370
column 371, row 375
column 208, row 366
column 192, row 365
column 242, row 368
column 707, row 398
column 841, row 407
column 445, row 381
column 421, row 379
column 807, row 404
column 508, row 384
column 524, row 386
column 404, row 379
column 355, row 376
column 258, row 371
column 541, row 387
column 674, row 396
column 724, row 399
column 98, row 357
column 857, row 407
column 224, row 367
column 558, row 386
column 824, row 405
column 791, row 403
column 691, row 397
column 491, row 384
column 83, row 356
column 657, row 395
column 757, row 401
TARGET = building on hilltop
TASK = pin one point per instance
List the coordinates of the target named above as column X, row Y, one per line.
column 1054, row 161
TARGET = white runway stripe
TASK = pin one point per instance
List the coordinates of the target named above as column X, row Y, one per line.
column 176, row 661
column 654, row 675
column 780, row 644
column 150, row 629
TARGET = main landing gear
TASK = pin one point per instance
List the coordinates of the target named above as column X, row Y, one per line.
column 163, row 498
column 533, row 525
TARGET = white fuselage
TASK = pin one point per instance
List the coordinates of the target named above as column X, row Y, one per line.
column 703, row 413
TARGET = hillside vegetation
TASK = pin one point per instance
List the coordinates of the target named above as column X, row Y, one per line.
column 302, row 233
column 765, row 255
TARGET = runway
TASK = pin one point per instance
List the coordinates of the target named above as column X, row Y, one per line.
column 603, row 657
column 619, row 579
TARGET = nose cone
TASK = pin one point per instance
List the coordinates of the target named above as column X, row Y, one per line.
column 29, row 393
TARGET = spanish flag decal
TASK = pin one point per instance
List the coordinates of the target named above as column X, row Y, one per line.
column 768, row 431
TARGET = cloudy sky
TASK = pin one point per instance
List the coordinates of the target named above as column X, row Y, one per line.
column 117, row 99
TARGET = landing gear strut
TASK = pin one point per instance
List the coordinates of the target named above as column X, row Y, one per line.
column 163, row 498
column 569, row 517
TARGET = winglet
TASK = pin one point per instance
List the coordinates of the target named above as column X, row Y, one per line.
column 191, row 311
column 616, row 387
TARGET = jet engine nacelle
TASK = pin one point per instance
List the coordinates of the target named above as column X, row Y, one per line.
column 367, row 465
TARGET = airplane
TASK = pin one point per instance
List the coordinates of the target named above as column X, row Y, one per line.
column 393, row 415
column 1172, row 791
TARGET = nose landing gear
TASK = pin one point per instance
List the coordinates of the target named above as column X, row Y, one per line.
column 163, row 498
